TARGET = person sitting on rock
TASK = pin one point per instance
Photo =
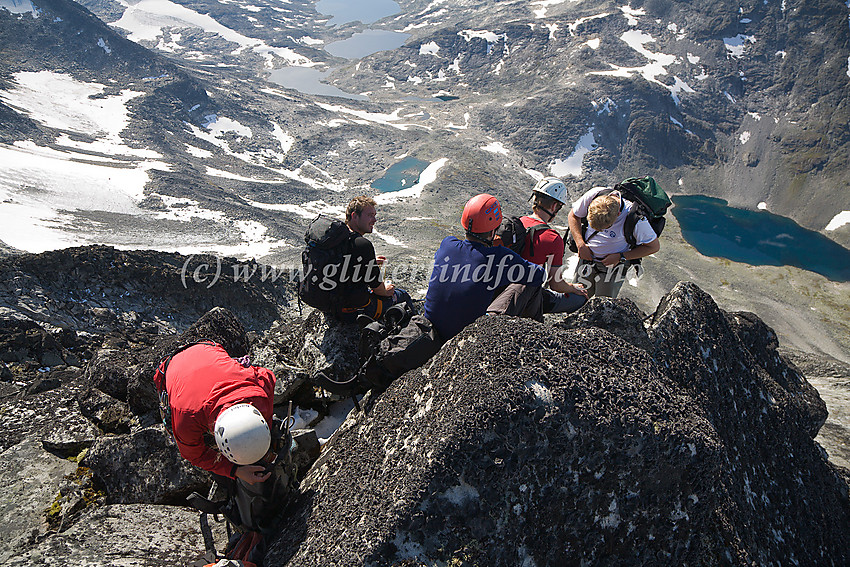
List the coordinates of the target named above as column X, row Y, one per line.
column 546, row 247
column 368, row 293
column 468, row 272
column 603, row 250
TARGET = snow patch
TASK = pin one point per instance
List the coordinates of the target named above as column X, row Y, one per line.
column 573, row 27
column 636, row 39
column 102, row 45
column 693, row 59
column 631, row 14
column 337, row 414
column 735, row 45
column 572, row 165
column 286, row 141
column 744, row 137
column 59, row 101
column 309, row 210
column 762, row 206
column 430, row 48
column 495, row 148
column 56, row 182
column 544, row 6
column 146, row 20
column 490, row 37
column 376, row 117
column 593, row 43
column 839, row 220
column 391, row 240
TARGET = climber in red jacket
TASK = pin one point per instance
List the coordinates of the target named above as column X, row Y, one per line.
column 220, row 410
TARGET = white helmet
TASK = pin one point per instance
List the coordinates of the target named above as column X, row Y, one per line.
column 553, row 187
column 242, row 434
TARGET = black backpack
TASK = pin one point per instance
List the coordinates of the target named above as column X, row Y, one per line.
column 514, row 234
column 395, row 350
column 328, row 241
column 650, row 202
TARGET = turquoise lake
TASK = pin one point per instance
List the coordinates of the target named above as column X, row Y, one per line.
column 758, row 238
column 400, row 175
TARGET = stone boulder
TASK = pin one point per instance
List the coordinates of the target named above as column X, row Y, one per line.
column 29, row 476
column 123, row 534
column 520, row 444
column 100, row 289
column 620, row 317
column 124, row 371
column 784, row 500
column 762, row 344
column 50, row 414
column 144, row 467
column 295, row 350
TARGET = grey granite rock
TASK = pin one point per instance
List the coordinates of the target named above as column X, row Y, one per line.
column 144, row 467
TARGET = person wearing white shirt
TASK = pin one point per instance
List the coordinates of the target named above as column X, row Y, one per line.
column 604, row 253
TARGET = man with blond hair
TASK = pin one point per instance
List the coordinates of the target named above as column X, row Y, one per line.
column 603, row 250
column 369, row 294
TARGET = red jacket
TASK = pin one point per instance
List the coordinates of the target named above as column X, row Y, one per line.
column 202, row 381
column 546, row 243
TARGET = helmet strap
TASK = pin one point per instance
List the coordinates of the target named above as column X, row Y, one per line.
column 477, row 237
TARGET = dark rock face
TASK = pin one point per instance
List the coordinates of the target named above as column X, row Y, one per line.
column 131, row 534
column 295, row 350
column 762, row 344
column 100, row 289
column 519, row 444
column 783, row 498
column 144, row 467
column 618, row 316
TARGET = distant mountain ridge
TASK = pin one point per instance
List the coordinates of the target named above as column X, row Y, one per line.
column 745, row 102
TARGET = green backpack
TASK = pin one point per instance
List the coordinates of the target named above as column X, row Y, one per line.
column 650, row 201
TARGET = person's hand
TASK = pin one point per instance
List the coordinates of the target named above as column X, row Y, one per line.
column 584, row 252
column 380, row 260
column 578, row 288
column 612, row 259
column 252, row 473
column 389, row 288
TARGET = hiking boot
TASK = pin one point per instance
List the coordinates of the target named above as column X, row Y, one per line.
column 364, row 320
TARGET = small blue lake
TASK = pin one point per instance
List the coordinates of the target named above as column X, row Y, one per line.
column 366, row 43
column 365, row 11
column 401, row 175
column 757, row 237
column 309, row 81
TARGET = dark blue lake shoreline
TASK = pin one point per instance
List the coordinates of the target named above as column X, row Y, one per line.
column 759, row 238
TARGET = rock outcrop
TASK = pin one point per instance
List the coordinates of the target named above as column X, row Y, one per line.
column 610, row 437
column 100, row 289
column 523, row 445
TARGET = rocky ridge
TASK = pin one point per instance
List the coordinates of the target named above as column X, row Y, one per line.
column 685, row 437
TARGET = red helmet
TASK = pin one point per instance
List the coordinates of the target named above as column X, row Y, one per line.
column 481, row 214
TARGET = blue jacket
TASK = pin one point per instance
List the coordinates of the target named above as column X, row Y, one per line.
column 465, row 275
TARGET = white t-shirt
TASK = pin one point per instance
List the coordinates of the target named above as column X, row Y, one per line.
column 611, row 240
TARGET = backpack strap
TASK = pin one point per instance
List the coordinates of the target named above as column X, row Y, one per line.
column 530, row 232
column 629, row 227
column 159, row 379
